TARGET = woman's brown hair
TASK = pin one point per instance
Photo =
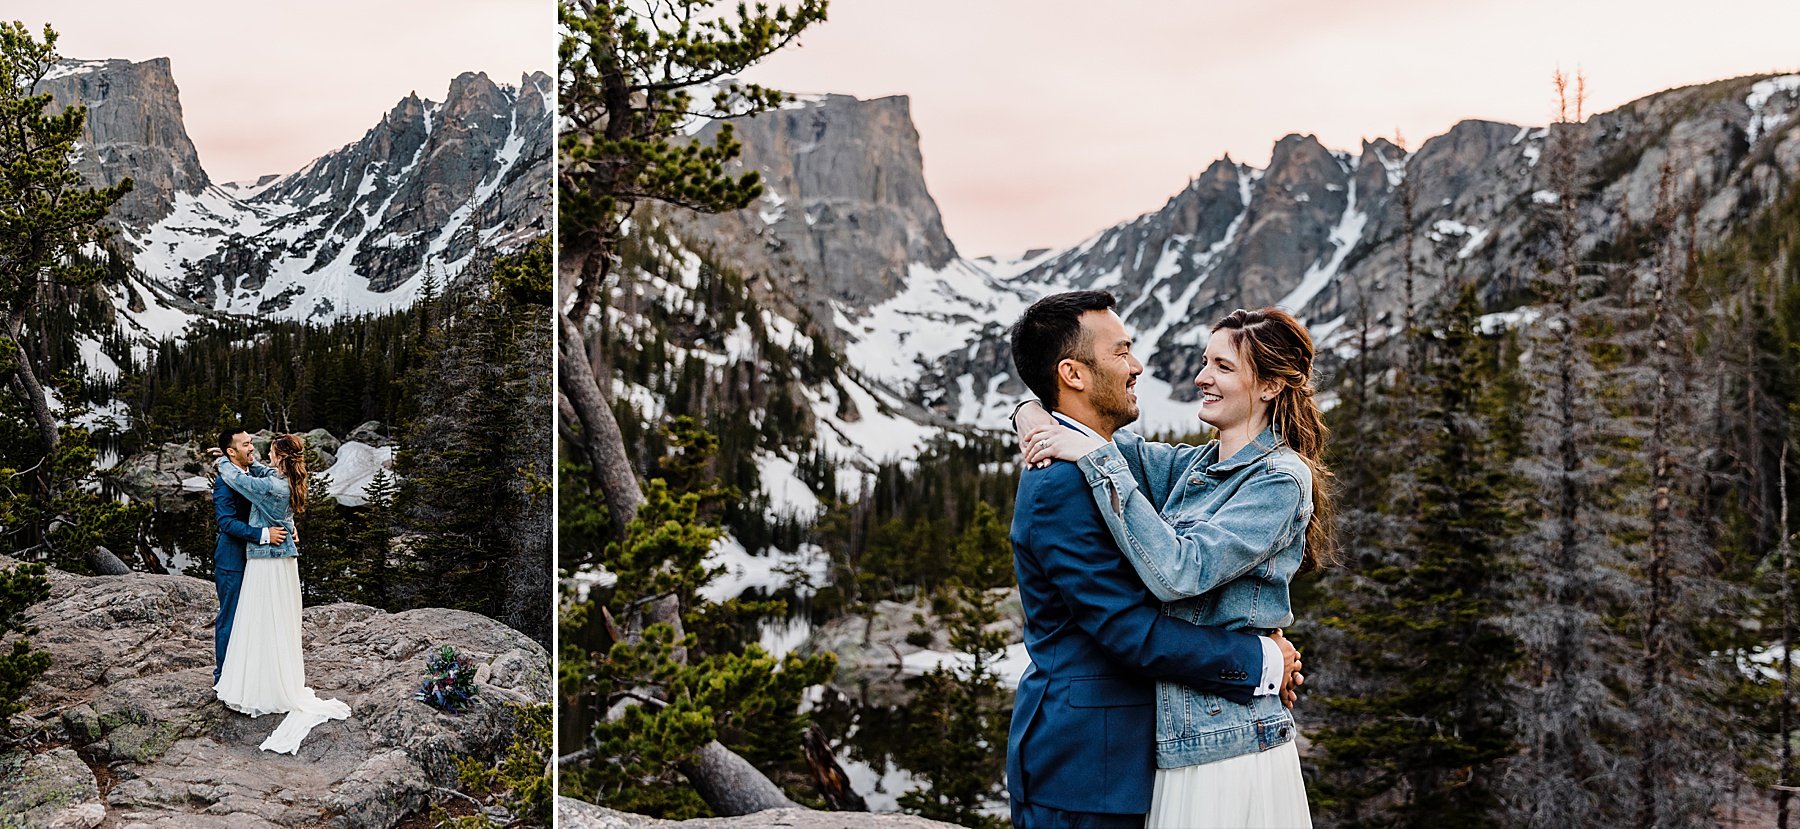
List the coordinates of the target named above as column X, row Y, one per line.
column 1277, row 347
column 292, row 464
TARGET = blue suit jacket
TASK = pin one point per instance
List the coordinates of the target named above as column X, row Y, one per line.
column 233, row 514
column 1083, row 735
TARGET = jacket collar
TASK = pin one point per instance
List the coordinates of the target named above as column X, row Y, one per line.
column 1077, row 426
column 1258, row 447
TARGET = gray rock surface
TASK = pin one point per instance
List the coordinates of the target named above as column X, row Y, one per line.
column 575, row 814
column 129, row 689
column 134, row 130
column 322, row 440
column 845, row 210
column 159, row 472
column 369, row 432
column 870, row 649
column 51, row 789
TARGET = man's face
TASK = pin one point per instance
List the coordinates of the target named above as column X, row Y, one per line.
column 241, row 452
column 1113, row 369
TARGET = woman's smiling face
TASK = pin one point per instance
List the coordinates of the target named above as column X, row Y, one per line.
column 1229, row 393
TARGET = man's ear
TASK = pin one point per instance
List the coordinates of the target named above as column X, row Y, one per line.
column 1072, row 374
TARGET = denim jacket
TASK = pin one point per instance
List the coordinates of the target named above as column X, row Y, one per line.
column 1228, row 538
column 267, row 491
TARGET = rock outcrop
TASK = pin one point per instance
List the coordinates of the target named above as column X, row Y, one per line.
column 139, row 739
column 844, row 209
column 134, row 130
column 575, row 814
column 164, row 473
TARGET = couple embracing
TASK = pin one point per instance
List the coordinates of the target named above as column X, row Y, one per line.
column 256, row 568
column 1154, row 577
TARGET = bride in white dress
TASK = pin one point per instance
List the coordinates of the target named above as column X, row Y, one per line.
column 264, row 670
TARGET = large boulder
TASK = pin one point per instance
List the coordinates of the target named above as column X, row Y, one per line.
column 160, row 471
column 322, row 440
column 129, row 689
column 369, row 432
column 51, row 789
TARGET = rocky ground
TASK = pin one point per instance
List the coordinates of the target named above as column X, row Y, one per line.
column 574, row 814
column 126, row 732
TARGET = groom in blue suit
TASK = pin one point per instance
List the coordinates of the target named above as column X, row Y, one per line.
column 232, row 512
column 1081, row 752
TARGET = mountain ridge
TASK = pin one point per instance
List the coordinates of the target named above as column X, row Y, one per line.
column 1317, row 229
column 355, row 230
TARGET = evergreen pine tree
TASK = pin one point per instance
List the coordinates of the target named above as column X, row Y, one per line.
column 1417, row 727
column 656, row 697
column 49, row 217
column 1573, row 724
column 957, row 721
column 21, row 587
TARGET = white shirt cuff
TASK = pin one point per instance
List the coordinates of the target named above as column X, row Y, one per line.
column 1271, row 668
column 265, row 540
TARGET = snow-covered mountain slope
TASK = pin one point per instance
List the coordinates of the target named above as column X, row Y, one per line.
column 357, row 230
column 847, row 233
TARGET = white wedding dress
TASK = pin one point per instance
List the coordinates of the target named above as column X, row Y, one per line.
column 1263, row 790
column 264, row 670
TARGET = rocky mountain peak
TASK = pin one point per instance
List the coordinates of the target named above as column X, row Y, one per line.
column 356, row 229
column 845, row 209
column 134, row 130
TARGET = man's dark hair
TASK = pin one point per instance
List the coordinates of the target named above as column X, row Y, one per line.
column 1049, row 333
column 226, row 434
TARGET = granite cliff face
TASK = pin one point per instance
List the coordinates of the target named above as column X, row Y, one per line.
column 354, row 231
column 844, row 211
column 134, row 130
column 1320, row 232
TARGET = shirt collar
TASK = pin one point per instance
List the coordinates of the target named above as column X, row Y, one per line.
column 1258, row 446
column 1078, row 426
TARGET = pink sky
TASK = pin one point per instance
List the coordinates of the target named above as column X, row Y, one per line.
column 1044, row 121
column 267, row 87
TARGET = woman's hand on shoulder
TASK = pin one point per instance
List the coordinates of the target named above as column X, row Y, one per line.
column 1054, row 442
column 1030, row 416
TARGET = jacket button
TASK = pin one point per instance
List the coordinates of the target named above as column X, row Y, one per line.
column 1194, row 481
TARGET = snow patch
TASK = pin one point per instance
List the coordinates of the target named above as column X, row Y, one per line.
column 1343, row 237
column 776, row 206
column 805, row 570
column 96, row 360
column 357, row 463
column 939, row 311
column 1762, row 121
column 1445, row 228
column 1008, row 668
column 1508, row 320
column 68, row 67
column 788, row 495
